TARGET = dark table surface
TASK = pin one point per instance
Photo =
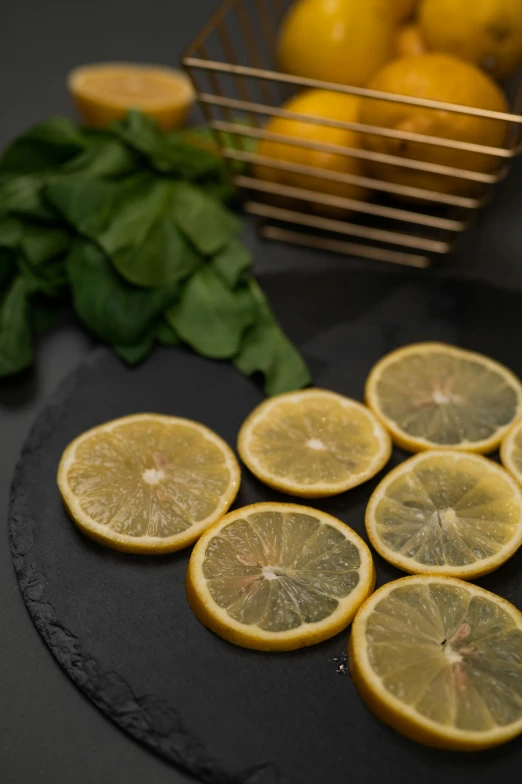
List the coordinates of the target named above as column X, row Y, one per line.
column 49, row 733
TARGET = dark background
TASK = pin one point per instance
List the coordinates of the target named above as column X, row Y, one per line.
column 48, row 730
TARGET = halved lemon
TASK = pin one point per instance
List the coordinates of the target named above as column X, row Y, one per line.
column 440, row 660
column 313, row 443
column 445, row 512
column 148, row 483
column 105, row 92
column 431, row 395
column 511, row 451
column 276, row 577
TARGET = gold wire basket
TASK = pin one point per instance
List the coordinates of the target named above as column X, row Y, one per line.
column 232, row 64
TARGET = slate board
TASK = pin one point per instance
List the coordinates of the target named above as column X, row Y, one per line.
column 120, row 626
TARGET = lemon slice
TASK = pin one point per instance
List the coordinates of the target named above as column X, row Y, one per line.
column 276, row 577
column 446, row 513
column 511, row 451
column 440, row 660
column 313, row 443
column 105, row 92
column 148, row 483
column 430, row 395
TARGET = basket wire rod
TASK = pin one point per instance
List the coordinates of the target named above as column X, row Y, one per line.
column 343, row 227
column 343, row 246
column 392, row 213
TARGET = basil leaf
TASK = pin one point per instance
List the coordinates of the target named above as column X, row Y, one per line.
column 103, row 159
column 233, row 262
column 166, row 153
column 23, row 196
column 7, row 268
column 165, row 334
column 137, row 352
column 112, row 308
column 43, row 147
column 209, row 316
column 16, row 341
column 204, row 221
column 86, row 205
column 267, row 350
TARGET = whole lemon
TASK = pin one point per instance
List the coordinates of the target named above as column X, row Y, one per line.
column 344, row 41
column 437, row 77
column 409, row 40
column 487, row 33
column 317, row 103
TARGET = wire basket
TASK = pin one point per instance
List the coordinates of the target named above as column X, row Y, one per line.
column 232, row 63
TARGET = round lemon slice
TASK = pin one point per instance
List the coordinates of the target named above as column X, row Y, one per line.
column 148, row 483
column 431, row 395
column 276, row 577
column 446, row 512
column 511, row 451
column 313, row 443
column 105, row 92
column 440, row 660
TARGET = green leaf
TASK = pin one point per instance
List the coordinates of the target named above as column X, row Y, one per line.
column 42, row 243
column 16, row 341
column 204, row 138
column 23, row 196
column 86, row 205
column 133, row 222
column 46, row 314
column 166, row 153
column 233, row 262
column 267, row 350
column 7, row 268
column 106, row 158
column 207, row 224
column 209, row 316
column 44, row 147
column 113, row 309
column 137, row 352
column 166, row 335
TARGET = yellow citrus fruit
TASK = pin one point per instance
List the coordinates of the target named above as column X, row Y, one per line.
column 437, row 77
column 440, row 660
column 511, row 451
column 313, row 443
column 344, row 41
column 446, row 513
column 148, row 483
column 432, row 395
column 409, row 41
column 321, row 104
column 487, row 33
column 277, row 577
column 105, row 92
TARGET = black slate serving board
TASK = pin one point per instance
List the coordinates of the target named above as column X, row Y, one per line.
column 120, row 625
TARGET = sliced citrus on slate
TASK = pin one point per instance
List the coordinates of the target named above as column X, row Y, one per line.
column 313, row 443
column 148, row 483
column 277, row 577
column 511, row 451
column 105, row 92
column 446, row 513
column 440, row 660
column 432, row 395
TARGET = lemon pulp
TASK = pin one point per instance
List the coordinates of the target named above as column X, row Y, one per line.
column 441, row 660
column 276, row 576
column 148, row 481
column 313, row 443
column 441, row 396
column 448, row 513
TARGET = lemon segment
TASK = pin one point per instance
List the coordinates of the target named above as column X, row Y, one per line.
column 446, row 513
column 313, row 443
column 103, row 93
column 148, row 483
column 511, row 451
column 432, row 395
column 440, row 660
column 278, row 577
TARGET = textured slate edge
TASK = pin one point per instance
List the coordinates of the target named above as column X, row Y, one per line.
column 146, row 718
